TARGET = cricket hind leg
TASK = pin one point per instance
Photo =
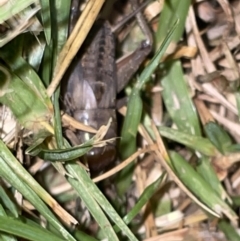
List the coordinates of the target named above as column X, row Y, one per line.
column 128, row 65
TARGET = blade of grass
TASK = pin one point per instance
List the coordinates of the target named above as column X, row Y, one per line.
column 177, row 99
column 175, row 91
column 27, row 107
column 143, row 199
column 23, row 175
column 8, row 203
column 5, row 237
column 134, row 112
column 197, row 143
column 218, row 136
column 205, row 169
column 173, row 10
column 46, row 19
column 230, row 232
column 62, row 155
column 83, row 186
column 11, row 54
column 10, row 8
column 9, row 175
column 200, row 187
column 94, row 199
column 20, row 229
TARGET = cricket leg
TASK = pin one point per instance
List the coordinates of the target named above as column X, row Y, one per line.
column 128, row 65
column 74, row 14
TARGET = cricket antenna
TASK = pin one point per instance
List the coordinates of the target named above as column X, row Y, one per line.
column 131, row 15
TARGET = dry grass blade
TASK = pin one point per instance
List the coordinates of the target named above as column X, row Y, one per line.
column 124, row 163
column 69, row 121
column 74, row 42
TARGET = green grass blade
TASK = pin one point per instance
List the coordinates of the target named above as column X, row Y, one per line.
column 197, row 143
column 177, row 99
column 143, row 199
column 5, row 237
column 11, row 54
column 200, row 187
column 46, row 19
column 25, row 104
column 175, row 91
column 8, row 203
column 10, row 8
column 84, row 185
column 205, row 169
column 20, row 229
column 218, row 136
column 173, row 10
column 18, row 177
column 230, row 232
column 134, row 113
column 149, row 70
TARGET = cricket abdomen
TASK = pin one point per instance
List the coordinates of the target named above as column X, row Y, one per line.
column 98, row 158
column 91, row 90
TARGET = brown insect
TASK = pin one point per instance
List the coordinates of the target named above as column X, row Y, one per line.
column 93, row 81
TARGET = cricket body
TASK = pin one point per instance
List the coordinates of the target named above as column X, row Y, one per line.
column 92, row 83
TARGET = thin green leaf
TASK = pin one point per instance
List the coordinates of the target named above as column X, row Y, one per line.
column 149, row 70
column 26, row 106
column 18, row 177
column 66, row 154
column 94, row 199
column 10, row 8
column 197, row 143
column 177, row 99
column 230, row 232
column 3, row 236
column 83, row 186
column 200, row 187
column 173, row 10
column 46, row 19
column 218, row 136
column 8, row 203
column 134, row 113
column 11, row 54
column 16, row 227
column 143, row 199
column 205, row 169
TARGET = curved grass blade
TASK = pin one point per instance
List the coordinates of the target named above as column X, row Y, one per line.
column 11, row 8
column 8, row 203
column 28, row 180
column 29, row 232
column 177, row 99
column 94, row 199
column 61, row 154
column 27, row 107
column 200, row 187
column 197, row 143
column 205, row 169
column 46, row 19
column 9, row 175
column 218, row 136
column 134, row 113
column 11, row 54
column 3, row 236
column 230, row 232
column 143, row 199
column 175, row 91
column 82, row 184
